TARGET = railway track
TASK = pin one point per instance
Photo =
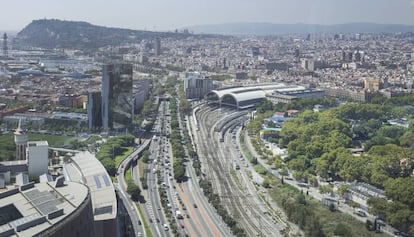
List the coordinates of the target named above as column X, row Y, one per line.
column 218, row 167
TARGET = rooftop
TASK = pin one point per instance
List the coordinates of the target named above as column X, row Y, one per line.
column 85, row 168
column 34, row 208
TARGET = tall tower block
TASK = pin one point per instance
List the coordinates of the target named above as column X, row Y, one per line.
column 5, row 48
column 20, row 138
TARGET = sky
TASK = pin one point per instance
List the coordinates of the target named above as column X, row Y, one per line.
column 161, row 15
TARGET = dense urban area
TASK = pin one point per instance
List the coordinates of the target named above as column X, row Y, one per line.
column 113, row 132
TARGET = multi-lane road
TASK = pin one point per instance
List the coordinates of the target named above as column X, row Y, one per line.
column 197, row 218
column 219, row 153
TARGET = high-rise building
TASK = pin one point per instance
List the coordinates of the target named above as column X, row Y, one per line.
column 196, row 85
column 20, row 138
column 255, row 51
column 140, row 90
column 117, row 97
column 308, row 64
column 157, row 46
column 95, row 109
column 5, row 47
column 37, row 158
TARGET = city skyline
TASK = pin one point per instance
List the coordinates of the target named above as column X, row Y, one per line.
column 161, row 16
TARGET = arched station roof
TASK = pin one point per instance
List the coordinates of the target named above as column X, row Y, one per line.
column 244, row 96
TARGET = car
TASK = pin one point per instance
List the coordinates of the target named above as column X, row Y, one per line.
column 166, row 227
column 182, row 226
column 139, row 222
column 361, row 213
column 150, row 219
column 195, row 205
column 159, row 208
column 139, row 234
column 158, row 220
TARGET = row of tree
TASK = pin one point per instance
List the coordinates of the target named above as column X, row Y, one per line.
column 176, row 143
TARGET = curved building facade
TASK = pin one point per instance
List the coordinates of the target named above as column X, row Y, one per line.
column 60, row 209
column 244, row 97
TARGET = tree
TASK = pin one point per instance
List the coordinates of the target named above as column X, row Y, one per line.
column 133, row 190
column 343, row 190
column 377, row 206
column 325, row 189
column 109, row 165
column 179, row 172
column 145, row 156
column 266, row 183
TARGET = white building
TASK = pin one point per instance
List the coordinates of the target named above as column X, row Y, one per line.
column 37, row 157
column 20, row 138
column 196, row 85
column 308, row 64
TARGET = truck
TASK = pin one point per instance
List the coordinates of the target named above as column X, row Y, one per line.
column 178, row 215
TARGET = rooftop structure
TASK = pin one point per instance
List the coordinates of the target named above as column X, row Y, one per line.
column 86, row 169
column 243, row 97
column 46, row 209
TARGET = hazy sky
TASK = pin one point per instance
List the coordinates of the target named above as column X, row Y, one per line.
column 171, row 14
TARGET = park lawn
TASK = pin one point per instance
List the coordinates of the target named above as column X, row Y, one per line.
column 52, row 140
column 8, row 148
column 119, row 158
column 141, row 168
column 128, row 174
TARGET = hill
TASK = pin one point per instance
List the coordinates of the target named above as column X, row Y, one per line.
column 280, row 29
column 52, row 33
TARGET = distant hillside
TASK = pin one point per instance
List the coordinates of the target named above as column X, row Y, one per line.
column 279, row 29
column 80, row 35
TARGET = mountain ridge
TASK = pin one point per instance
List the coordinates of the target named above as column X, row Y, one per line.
column 54, row 33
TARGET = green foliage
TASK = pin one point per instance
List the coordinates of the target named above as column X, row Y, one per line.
column 324, row 189
column 109, row 165
column 133, row 190
column 342, row 230
column 399, row 212
column 113, row 147
column 145, row 156
column 361, row 112
column 220, row 77
column 311, row 136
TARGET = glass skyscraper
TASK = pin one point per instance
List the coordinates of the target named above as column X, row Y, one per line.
column 117, row 96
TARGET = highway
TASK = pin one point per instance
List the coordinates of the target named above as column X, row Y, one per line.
column 152, row 207
column 121, row 188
